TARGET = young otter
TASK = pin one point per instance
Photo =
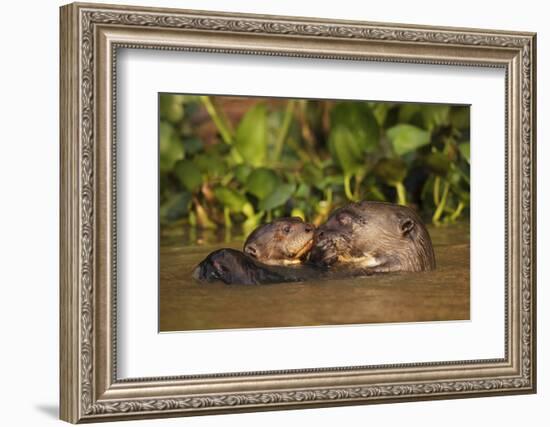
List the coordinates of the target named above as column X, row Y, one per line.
column 284, row 241
column 373, row 237
column 270, row 247
column 234, row 267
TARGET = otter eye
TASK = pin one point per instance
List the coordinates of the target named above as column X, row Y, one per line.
column 286, row 229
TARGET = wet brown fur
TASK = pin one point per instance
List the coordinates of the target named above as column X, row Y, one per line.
column 375, row 237
column 281, row 242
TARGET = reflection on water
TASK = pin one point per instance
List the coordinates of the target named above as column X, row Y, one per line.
column 185, row 304
column 192, row 236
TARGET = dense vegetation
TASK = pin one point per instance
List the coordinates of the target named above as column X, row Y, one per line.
column 228, row 161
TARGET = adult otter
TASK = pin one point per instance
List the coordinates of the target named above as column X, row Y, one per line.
column 284, row 241
column 231, row 266
column 373, row 237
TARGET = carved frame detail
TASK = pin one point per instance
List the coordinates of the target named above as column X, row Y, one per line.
column 90, row 390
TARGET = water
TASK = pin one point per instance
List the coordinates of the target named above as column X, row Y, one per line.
column 443, row 294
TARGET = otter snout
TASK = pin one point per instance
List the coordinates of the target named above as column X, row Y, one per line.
column 326, row 247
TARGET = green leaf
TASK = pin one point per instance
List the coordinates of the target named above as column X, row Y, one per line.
column 230, row 198
column 460, row 117
column 464, row 149
column 261, row 182
column 242, row 172
column 391, row 171
column 303, row 191
column 171, row 107
column 406, row 138
column 176, row 207
column 454, row 178
column 278, row 197
column 211, row 164
column 407, row 112
column 354, row 134
column 438, row 163
column 193, row 145
column 359, row 119
column 345, row 149
column 251, row 136
column 170, row 148
column 188, row 174
column 380, row 111
column 219, row 149
column 428, row 116
column 435, row 115
column 332, row 180
column 311, row 174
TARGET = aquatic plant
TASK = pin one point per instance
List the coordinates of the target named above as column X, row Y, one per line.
column 226, row 161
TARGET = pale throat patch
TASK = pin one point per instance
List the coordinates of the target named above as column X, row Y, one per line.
column 367, row 260
column 288, row 261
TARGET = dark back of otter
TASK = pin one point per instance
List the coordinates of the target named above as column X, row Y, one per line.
column 234, row 267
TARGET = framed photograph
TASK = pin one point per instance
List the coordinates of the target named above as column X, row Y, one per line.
column 265, row 212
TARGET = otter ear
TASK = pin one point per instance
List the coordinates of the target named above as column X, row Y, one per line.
column 407, row 225
column 344, row 218
column 251, row 250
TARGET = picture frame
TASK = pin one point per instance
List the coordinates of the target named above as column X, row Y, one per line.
column 91, row 34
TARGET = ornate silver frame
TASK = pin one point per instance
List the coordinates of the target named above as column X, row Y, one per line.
column 90, row 36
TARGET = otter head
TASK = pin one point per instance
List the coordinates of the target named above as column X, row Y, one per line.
column 226, row 265
column 281, row 242
column 374, row 236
